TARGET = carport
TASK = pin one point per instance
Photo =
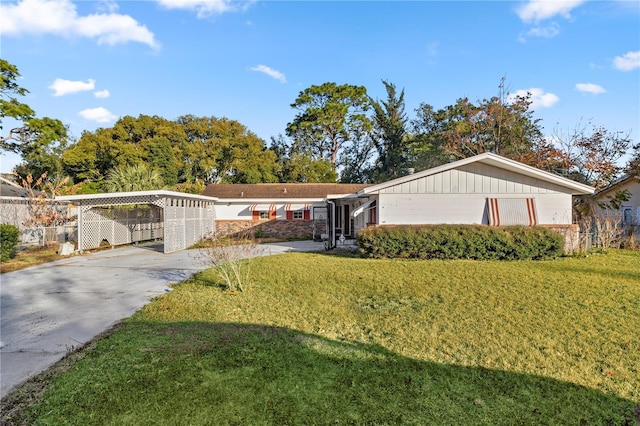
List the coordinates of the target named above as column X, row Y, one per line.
column 177, row 218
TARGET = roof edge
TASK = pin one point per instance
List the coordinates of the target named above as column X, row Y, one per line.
column 490, row 159
column 158, row 193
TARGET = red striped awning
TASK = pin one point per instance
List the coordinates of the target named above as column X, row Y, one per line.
column 262, row 207
column 512, row 211
column 294, row 207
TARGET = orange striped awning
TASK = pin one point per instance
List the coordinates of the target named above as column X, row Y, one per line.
column 512, row 211
column 262, row 207
column 294, row 207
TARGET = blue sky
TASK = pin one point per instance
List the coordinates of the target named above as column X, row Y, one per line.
column 88, row 63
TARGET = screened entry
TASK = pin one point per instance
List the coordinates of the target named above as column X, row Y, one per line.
column 177, row 219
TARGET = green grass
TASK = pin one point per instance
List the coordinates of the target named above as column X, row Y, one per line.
column 30, row 256
column 321, row 339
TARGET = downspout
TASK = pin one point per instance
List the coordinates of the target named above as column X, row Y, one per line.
column 331, row 230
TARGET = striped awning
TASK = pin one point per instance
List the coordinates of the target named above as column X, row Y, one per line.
column 294, row 207
column 512, row 211
column 262, row 207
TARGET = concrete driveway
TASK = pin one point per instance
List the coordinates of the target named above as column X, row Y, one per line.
column 50, row 309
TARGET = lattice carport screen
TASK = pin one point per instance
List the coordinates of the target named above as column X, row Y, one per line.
column 179, row 219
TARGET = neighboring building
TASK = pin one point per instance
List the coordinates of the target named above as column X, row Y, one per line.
column 628, row 212
column 485, row 189
column 282, row 210
column 31, row 211
column 14, row 203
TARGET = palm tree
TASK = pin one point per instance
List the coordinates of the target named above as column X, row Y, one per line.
column 137, row 177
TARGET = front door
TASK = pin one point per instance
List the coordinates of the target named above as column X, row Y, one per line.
column 346, row 218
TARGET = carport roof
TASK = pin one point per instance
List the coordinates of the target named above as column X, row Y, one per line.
column 130, row 197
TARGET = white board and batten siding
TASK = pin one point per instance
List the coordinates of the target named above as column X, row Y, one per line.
column 459, row 196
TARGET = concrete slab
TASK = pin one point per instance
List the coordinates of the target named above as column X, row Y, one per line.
column 50, row 309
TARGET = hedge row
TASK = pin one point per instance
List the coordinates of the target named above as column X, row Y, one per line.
column 9, row 235
column 460, row 242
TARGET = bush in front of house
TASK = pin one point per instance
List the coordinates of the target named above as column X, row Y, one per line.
column 9, row 235
column 475, row 242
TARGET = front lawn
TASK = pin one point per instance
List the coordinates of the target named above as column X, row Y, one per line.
column 321, row 339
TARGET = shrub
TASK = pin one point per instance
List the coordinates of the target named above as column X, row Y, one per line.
column 460, row 242
column 231, row 260
column 9, row 235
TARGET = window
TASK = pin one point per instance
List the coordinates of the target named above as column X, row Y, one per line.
column 627, row 216
column 263, row 211
column 298, row 211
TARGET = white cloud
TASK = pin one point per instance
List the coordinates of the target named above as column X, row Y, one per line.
column 270, row 72
column 627, row 62
column 63, row 87
column 539, row 10
column 548, row 31
column 99, row 115
column 590, row 88
column 101, row 94
column 60, row 17
column 538, row 98
column 107, row 6
column 206, row 8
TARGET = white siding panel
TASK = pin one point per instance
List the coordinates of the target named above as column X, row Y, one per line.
column 554, row 209
column 431, row 209
column 418, row 209
column 422, row 186
column 233, row 211
column 462, row 182
column 437, row 182
column 510, row 187
column 454, row 182
column 430, row 185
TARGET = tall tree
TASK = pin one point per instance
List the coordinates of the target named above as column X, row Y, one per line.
column 428, row 138
column 220, row 150
column 591, row 154
column 296, row 165
column 39, row 140
column 633, row 166
column 502, row 124
column 390, row 135
column 504, row 128
column 330, row 117
column 10, row 106
column 355, row 162
column 42, row 154
column 162, row 158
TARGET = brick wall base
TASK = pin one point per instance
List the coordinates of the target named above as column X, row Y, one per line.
column 571, row 234
column 285, row 229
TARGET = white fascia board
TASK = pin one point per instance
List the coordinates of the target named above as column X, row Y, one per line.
column 492, row 160
column 342, row 196
column 270, row 200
